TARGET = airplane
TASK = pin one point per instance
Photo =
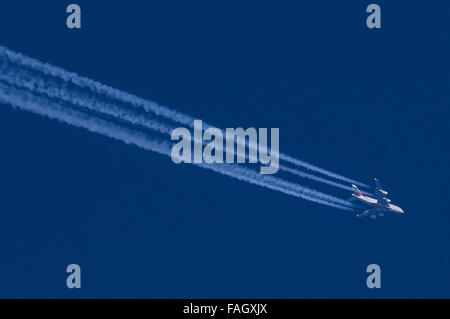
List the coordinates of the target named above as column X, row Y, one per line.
column 379, row 206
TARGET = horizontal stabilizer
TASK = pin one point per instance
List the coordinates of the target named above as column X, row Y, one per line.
column 356, row 191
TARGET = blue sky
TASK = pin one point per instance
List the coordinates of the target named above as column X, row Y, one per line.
column 362, row 103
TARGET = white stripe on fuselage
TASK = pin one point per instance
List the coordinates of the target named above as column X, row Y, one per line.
column 372, row 202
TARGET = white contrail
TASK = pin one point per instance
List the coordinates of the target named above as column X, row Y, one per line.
column 45, row 107
column 319, row 179
column 70, row 78
column 55, row 88
column 317, row 169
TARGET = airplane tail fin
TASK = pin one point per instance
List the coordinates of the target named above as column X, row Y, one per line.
column 356, row 191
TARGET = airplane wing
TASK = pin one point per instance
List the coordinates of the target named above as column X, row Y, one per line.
column 363, row 214
column 381, row 194
column 366, row 213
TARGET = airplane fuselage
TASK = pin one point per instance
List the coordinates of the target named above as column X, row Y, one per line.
column 374, row 204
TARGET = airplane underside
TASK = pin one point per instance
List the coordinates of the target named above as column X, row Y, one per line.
column 373, row 213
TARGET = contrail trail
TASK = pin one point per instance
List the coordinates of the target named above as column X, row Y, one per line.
column 320, row 179
column 27, row 79
column 56, row 88
column 72, row 79
column 28, row 101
